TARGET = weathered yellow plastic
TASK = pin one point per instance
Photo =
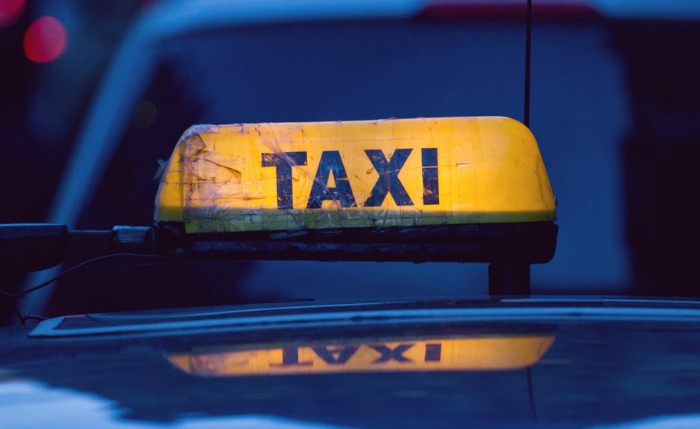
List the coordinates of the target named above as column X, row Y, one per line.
column 459, row 170
column 447, row 354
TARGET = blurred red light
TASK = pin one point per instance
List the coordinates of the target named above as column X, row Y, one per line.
column 10, row 10
column 45, row 40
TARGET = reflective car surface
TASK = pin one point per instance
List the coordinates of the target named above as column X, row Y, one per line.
column 489, row 363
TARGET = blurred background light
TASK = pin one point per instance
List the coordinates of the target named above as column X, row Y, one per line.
column 45, row 40
column 10, row 11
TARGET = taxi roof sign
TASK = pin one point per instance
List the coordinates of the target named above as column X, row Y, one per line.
column 457, row 189
column 427, row 189
column 355, row 174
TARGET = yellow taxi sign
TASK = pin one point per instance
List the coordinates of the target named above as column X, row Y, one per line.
column 355, row 174
column 497, row 353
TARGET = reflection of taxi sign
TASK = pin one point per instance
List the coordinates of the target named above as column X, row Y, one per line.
column 453, row 354
column 402, row 172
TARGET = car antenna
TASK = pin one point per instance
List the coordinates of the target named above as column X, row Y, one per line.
column 528, row 54
column 513, row 277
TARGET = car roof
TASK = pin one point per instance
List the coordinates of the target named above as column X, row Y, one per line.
column 595, row 361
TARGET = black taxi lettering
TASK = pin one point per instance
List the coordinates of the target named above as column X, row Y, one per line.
column 335, row 355
column 283, row 164
column 331, row 164
column 431, row 190
column 388, row 354
column 320, row 192
column 433, row 352
column 290, row 357
column 388, row 181
column 341, row 355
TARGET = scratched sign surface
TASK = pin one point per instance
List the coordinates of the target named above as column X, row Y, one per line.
column 384, row 173
column 440, row 354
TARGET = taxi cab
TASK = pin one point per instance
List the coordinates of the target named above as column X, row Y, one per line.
column 426, row 189
column 448, row 189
